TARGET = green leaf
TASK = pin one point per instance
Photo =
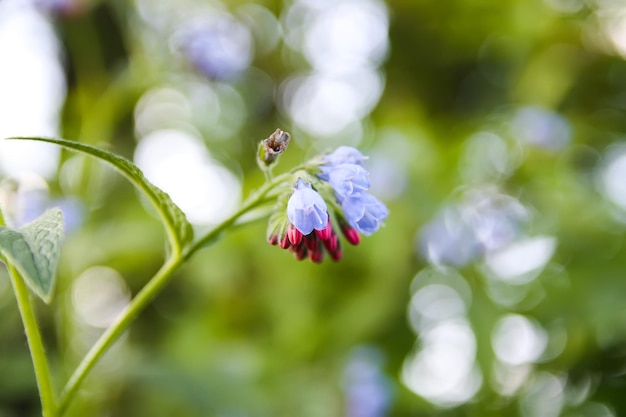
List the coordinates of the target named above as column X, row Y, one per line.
column 34, row 251
column 179, row 230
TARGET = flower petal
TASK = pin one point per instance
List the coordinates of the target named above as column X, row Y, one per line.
column 306, row 209
column 347, row 179
column 345, row 155
column 364, row 212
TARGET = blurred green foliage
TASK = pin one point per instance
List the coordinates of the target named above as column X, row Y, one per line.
column 244, row 329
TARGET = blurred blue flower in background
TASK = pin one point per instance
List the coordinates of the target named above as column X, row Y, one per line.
column 448, row 239
column 60, row 7
column 367, row 388
column 27, row 197
column 541, row 127
column 483, row 222
column 346, row 179
column 220, row 48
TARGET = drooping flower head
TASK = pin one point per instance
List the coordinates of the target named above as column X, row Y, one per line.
column 307, row 230
column 331, row 188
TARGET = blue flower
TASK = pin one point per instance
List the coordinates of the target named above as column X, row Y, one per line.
column 220, row 48
column 346, row 179
column 345, row 155
column 364, row 212
column 306, row 209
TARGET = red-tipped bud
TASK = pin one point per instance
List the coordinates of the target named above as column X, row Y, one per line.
column 273, row 240
column 325, row 233
column 310, row 241
column 299, row 251
column 284, row 242
column 331, row 243
column 336, row 254
column 317, row 255
column 351, row 234
column 295, row 236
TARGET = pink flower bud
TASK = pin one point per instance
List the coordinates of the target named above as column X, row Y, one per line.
column 331, row 243
column 295, row 236
column 317, row 255
column 284, row 242
column 299, row 251
column 336, row 254
column 351, row 234
column 273, row 240
column 325, row 233
column 310, row 241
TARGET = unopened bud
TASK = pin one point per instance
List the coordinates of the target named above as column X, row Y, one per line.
column 325, row 233
column 284, row 242
column 351, row 234
column 272, row 147
column 295, row 236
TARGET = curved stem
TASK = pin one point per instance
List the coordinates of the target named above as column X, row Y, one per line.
column 149, row 292
column 215, row 233
column 141, row 300
column 35, row 343
column 257, row 199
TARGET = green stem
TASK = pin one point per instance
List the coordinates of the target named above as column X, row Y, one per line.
column 215, row 233
column 150, row 291
column 35, row 343
column 255, row 200
column 141, row 300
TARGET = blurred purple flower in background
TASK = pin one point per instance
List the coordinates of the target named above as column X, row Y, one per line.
column 220, row 48
column 367, row 389
column 26, row 198
column 540, row 127
column 483, row 222
column 344, row 172
column 64, row 8
column 448, row 239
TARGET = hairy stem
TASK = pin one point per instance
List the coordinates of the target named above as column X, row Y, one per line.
column 35, row 343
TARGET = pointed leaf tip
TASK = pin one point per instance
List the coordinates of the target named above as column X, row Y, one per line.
column 34, row 250
column 179, row 230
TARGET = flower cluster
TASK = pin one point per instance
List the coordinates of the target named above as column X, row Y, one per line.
column 335, row 188
column 344, row 171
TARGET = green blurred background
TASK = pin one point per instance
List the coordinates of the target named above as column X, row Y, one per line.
column 496, row 136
